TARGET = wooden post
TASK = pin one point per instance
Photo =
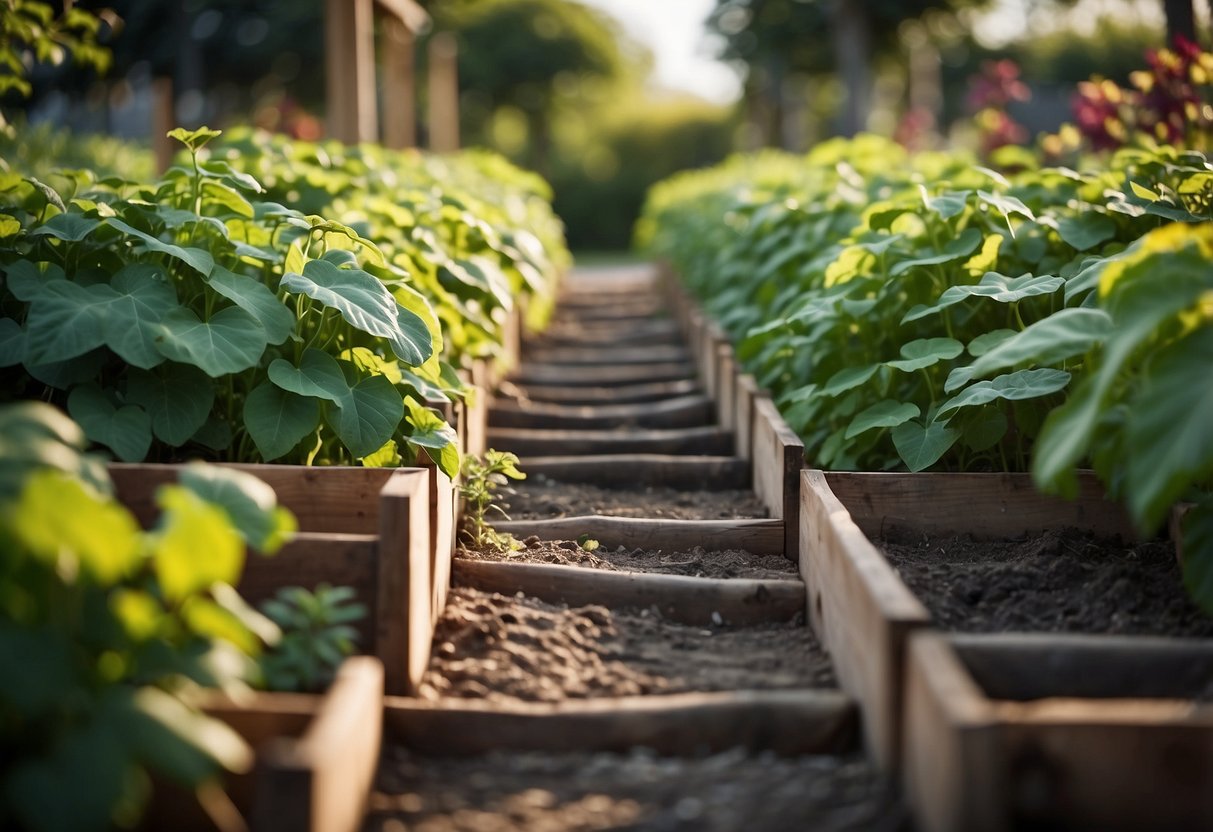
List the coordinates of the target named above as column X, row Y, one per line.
column 163, row 120
column 444, row 93
column 350, row 70
column 399, row 85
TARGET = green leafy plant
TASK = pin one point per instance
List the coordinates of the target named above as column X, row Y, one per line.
column 478, row 486
column 316, row 636
column 107, row 630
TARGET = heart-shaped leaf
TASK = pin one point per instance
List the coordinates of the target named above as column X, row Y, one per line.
column 12, row 343
column 369, row 416
column 71, row 227
column 1016, row 386
column 920, row 446
column 197, row 259
column 962, row 246
column 434, row 435
column 231, row 341
column 1086, row 229
column 255, row 297
column 127, row 430
column 142, row 297
column 177, row 397
column 318, row 375
column 1061, row 336
column 924, row 352
column 277, row 420
column 367, row 305
column 888, row 413
column 66, row 320
column 994, row 286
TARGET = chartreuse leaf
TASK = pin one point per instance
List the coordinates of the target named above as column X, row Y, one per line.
column 255, row 297
column 434, row 435
column 1170, row 428
column 230, row 341
column 1016, row 386
column 126, row 430
column 195, row 140
column 277, row 420
column 925, row 352
column 994, row 286
column 177, row 397
column 1059, row 337
column 62, row 521
column 366, row 304
column 1197, row 529
column 884, row 414
column 190, row 525
column 184, row 744
column 251, row 505
column 920, row 446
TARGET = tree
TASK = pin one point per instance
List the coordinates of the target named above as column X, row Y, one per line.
column 524, row 53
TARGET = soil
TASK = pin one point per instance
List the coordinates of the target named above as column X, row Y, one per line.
column 1061, row 581
column 535, row 792
column 540, row 498
column 490, row 646
column 697, row 562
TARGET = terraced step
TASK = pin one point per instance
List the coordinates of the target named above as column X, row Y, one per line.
column 691, row 473
column 677, row 412
column 713, row 441
column 760, row 537
column 600, row 395
column 602, row 376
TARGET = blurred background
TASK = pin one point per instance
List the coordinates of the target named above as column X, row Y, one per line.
column 605, row 97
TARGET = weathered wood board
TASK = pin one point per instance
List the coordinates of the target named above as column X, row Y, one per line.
column 759, row 537
column 677, row 412
column 710, row 441
column 621, row 394
column 600, row 376
column 778, row 457
column 707, row 473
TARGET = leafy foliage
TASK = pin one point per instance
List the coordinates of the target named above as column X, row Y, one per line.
column 106, row 629
column 316, row 636
column 925, row 312
column 478, row 487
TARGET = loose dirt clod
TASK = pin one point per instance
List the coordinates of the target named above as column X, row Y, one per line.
column 521, row 648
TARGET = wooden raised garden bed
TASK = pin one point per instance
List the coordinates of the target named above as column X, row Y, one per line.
column 999, row 731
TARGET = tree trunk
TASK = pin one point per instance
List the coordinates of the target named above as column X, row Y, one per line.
column 1181, row 19
column 852, row 54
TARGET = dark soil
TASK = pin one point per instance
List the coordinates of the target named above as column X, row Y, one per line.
column 1063, row 581
column 535, row 792
column 540, row 498
column 697, row 562
column 490, row 646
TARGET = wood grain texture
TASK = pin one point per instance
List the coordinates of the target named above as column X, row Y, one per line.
column 786, row 722
column 621, row 394
column 759, row 537
column 678, row 597
column 600, row 376
column 323, row 498
column 405, row 580
column 442, row 506
column 677, row 412
column 320, row 781
column 478, row 409
column 778, row 457
column 709, row 441
column 726, row 395
column 747, row 392
column 982, row 505
column 657, row 470
column 861, row 611
column 1105, row 735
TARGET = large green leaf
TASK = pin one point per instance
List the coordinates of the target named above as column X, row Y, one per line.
column 925, row 352
column 69, row 227
column 1170, row 428
column 127, row 430
column 1085, row 229
column 251, row 504
column 888, row 413
column 231, row 341
column 177, row 397
column 1197, row 529
column 66, row 320
column 197, row 259
column 195, row 544
column 994, row 286
column 277, row 420
column 434, row 435
column 920, row 446
column 1059, row 337
column 369, row 415
column 12, row 343
column 318, row 375
column 849, row 378
column 366, row 304
column 143, row 296
column 255, row 297
column 1016, row 386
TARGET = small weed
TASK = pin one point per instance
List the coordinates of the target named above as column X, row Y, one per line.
column 478, row 488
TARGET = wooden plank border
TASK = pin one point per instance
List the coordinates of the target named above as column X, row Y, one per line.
column 759, row 537
column 406, row 581
column 777, row 459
